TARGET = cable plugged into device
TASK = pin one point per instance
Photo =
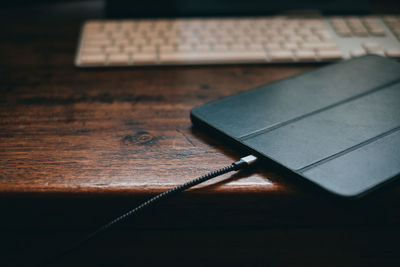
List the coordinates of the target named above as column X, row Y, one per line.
column 235, row 166
column 245, row 161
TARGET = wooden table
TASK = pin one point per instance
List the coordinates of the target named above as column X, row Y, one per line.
column 80, row 146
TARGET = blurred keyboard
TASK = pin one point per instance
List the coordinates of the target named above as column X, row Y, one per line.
column 235, row 40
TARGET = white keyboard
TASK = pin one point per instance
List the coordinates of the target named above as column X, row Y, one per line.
column 235, row 40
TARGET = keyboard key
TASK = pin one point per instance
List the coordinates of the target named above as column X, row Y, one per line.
column 312, row 39
column 371, row 47
column 203, row 48
column 184, row 48
column 377, row 52
column 209, row 57
column 89, row 35
column 360, row 32
column 144, row 58
column 357, row 52
column 111, row 26
column 320, row 46
column 256, row 47
column 374, row 27
column 96, row 42
column 277, row 39
column 167, row 48
column 324, row 35
column 220, row 48
column 112, row 49
column 329, row 54
column 280, row 56
column 238, row 47
column 129, row 49
column 290, row 46
column 305, row 55
column 273, row 46
column 99, row 59
column 393, row 53
column 149, row 50
column 393, row 23
column 117, row 59
column 344, row 32
column 140, row 41
column 121, row 42
column 377, row 32
column 92, row 50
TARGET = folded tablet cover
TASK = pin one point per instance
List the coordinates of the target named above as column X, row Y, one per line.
column 337, row 126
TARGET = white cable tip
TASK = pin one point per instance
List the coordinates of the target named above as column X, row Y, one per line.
column 250, row 159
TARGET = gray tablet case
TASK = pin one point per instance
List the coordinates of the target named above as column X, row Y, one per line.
column 337, row 126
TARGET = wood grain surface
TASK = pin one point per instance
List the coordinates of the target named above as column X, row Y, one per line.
column 80, row 146
column 111, row 131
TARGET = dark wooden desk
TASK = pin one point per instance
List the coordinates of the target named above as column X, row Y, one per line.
column 80, row 146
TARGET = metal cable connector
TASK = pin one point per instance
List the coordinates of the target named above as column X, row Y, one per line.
column 244, row 162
